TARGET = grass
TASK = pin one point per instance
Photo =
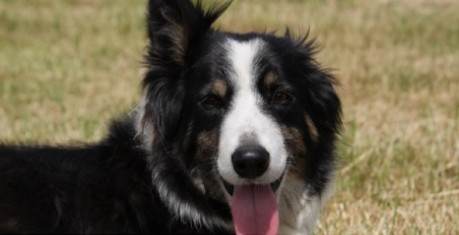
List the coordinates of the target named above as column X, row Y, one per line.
column 66, row 67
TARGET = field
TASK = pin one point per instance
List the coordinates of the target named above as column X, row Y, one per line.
column 66, row 67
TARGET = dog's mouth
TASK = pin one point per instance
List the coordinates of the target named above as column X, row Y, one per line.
column 254, row 207
column 274, row 186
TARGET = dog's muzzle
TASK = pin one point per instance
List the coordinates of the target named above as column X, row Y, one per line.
column 253, row 206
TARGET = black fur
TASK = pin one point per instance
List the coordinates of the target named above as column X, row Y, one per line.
column 103, row 188
column 118, row 185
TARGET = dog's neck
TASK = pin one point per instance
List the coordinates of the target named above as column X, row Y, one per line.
column 298, row 210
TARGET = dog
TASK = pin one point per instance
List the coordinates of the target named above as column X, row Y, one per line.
column 235, row 133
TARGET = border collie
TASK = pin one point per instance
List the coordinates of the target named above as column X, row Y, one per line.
column 235, row 133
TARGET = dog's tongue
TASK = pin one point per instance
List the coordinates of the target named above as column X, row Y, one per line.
column 254, row 210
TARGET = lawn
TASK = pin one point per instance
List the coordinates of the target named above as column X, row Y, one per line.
column 67, row 67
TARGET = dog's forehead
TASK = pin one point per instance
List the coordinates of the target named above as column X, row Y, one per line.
column 231, row 63
column 243, row 60
column 238, row 61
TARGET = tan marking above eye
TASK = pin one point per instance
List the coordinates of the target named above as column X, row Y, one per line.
column 270, row 79
column 219, row 87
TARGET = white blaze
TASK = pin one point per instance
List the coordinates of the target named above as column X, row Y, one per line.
column 246, row 117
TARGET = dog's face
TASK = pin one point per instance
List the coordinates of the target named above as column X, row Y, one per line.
column 243, row 112
column 243, row 115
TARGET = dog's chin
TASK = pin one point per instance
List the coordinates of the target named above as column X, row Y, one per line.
column 229, row 188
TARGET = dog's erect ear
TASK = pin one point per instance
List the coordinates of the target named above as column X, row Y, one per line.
column 175, row 25
column 174, row 28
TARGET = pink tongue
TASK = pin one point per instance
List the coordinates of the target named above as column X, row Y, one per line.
column 254, row 210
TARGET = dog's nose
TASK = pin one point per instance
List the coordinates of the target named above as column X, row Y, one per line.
column 250, row 161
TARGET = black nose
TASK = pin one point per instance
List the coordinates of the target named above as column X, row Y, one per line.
column 250, row 161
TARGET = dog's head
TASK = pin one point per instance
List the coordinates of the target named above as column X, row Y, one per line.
column 227, row 117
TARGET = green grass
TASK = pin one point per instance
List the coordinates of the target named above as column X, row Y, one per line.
column 66, row 67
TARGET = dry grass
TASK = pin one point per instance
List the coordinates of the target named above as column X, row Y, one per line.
column 67, row 66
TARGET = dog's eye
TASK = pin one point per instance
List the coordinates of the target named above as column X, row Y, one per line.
column 282, row 98
column 211, row 102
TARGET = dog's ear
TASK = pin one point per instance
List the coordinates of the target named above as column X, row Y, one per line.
column 175, row 27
